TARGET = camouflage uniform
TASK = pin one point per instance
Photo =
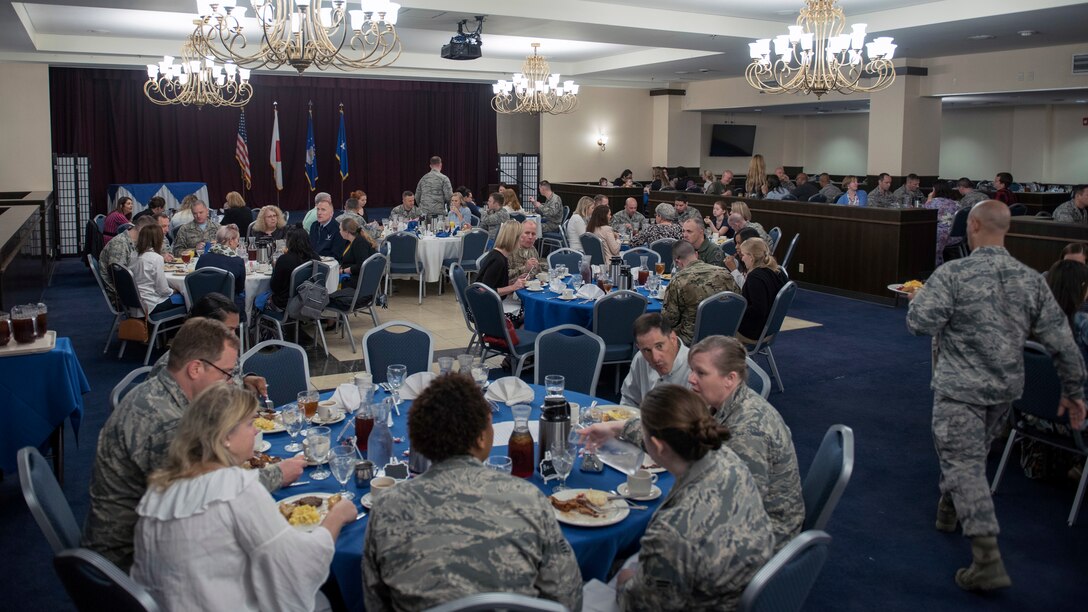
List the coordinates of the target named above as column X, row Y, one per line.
column 461, row 529
column 691, row 285
column 971, row 198
column 400, row 213
column 492, row 220
column 762, row 232
column 131, row 445
column 831, row 192
column 120, row 251
column 711, row 253
column 350, row 215
column 705, row 542
column 878, row 198
column 519, row 258
column 551, row 213
column 906, row 197
column 980, row 310
column 656, row 231
column 689, row 213
column 1065, row 213
column 433, row 192
column 190, row 235
column 621, row 219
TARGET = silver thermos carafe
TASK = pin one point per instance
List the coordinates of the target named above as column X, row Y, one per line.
column 554, row 424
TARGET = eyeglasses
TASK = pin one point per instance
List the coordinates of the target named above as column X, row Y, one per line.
column 230, row 375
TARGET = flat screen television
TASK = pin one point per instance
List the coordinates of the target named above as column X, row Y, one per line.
column 732, row 140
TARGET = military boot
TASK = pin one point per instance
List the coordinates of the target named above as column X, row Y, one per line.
column 986, row 572
column 946, row 515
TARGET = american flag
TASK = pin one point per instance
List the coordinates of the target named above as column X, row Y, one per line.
column 241, row 152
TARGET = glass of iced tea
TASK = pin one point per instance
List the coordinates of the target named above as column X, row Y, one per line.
column 22, row 323
column 659, row 267
column 5, row 328
column 308, row 401
column 186, row 256
column 42, row 320
column 364, row 424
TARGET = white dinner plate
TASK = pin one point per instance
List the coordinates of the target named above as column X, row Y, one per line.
column 265, row 445
column 278, row 422
column 617, row 510
column 568, row 299
column 655, row 493
column 535, row 290
column 895, row 288
column 323, row 510
column 600, row 412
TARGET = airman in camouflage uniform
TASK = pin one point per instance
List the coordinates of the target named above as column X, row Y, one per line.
column 493, row 217
column 1075, row 210
column 525, row 252
column 685, row 211
column 706, row 250
column 434, row 191
column 693, row 282
column 121, row 250
column 980, row 309
column 906, row 195
column 407, row 210
column 629, row 219
column 705, row 542
column 971, row 198
column 190, row 235
column 551, row 211
column 880, row 198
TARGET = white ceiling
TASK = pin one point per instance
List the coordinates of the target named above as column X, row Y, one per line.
column 631, row 43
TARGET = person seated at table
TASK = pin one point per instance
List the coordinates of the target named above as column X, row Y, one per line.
column 761, row 286
column 149, row 272
column 156, row 205
column 407, row 210
column 184, row 213
column 940, row 199
column 495, row 267
column 719, row 220
column 773, row 189
column 358, row 247
column 664, row 227
column 693, row 282
column 195, row 234
column 235, row 211
column 163, row 222
column 661, row 359
column 524, row 260
column 852, row 196
column 134, row 440
column 271, row 225
column 298, row 252
column 494, row 216
column 625, row 176
column 467, row 200
column 458, row 213
column 735, row 264
column 599, row 225
column 353, row 211
column 510, row 202
column 738, row 222
column 325, row 233
column 461, row 528
column 579, row 219
column 224, row 255
column 707, row 250
column 122, row 252
column 629, row 219
column 121, row 214
column 711, row 534
column 209, row 536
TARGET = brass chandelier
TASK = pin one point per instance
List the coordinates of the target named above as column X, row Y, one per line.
column 197, row 81
column 817, row 57
column 301, row 33
column 535, row 90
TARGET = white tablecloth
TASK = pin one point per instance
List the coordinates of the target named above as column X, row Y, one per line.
column 432, row 251
column 256, row 284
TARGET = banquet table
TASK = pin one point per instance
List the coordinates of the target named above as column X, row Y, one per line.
column 433, row 251
column 141, row 193
column 41, row 391
column 544, row 309
column 594, row 547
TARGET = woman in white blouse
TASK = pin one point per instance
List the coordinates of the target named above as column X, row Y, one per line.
column 576, row 225
column 210, row 536
column 149, row 272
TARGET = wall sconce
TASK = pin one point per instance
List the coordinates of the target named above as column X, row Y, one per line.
column 602, row 140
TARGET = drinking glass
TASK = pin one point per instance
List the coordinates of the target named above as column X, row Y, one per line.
column 41, row 321
column 307, row 400
column 364, row 424
column 292, row 422
column 343, row 468
column 480, row 372
column 445, row 365
column 5, row 328
column 555, row 384
column 464, row 363
column 22, row 323
column 394, row 375
column 318, row 447
column 577, row 282
column 563, row 462
column 500, row 463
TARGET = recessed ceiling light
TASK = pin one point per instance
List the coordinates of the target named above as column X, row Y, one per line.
column 1027, row 32
column 981, row 37
column 1080, row 101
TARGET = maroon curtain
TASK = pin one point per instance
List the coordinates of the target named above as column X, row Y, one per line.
column 393, row 128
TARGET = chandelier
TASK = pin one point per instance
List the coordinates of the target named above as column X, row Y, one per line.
column 817, row 57
column 196, row 81
column 534, row 90
column 301, row 33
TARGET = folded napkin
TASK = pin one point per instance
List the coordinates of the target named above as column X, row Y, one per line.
column 442, row 235
column 595, row 269
column 590, row 292
column 346, row 397
column 510, row 390
column 557, row 286
column 415, row 384
column 599, row 597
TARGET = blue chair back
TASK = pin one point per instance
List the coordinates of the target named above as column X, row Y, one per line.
column 403, row 257
column 370, row 278
column 758, row 380
column 46, row 501
column 94, row 583
column 128, row 383
column 789, row 252
column 633, row 257
column 828, row 476
column 100, row 221
column 519, row 217
column 592, row 246
column 382, row 347
column 311, row 269
column 488, row 602
column 567, row 257
column 126, row 289
column 473, row 220
column 208, row 280
column 775, row 235
column 1042, row 387
column 283, row 364
column 459, row 280
column 663, row 248
column 959, row 223
column 473, row 245
column 577, row 357
column 783, row 584
column 779, row 308
column 614, row 320
column 486, row 308
column 729, row 247
column 719, row 315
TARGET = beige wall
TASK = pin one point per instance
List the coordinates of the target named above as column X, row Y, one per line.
column 568, row 143
column 1023, row 70
column 26, row 163
column 821, row 143
column 518, row 133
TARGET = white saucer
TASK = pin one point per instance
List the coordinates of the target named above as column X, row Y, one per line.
column 568, row 299
column 366, row 501
column 535, row 290
column 655, row 493
column 265, row 445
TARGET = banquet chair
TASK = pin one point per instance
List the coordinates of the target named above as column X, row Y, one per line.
column 199, row 283
column 121, row 389
column 130, row 300
column 46, row 501
column 958, row 232
column 95, row 584
column 278, row 318
column 1032, row 416
column 566, row 257
column 365, row 299
column 789, row 254
column 828, row 476
column 473, row 244
column 511, row 602
column 663, row 247
column 283, row 365
column 249, row 228
column 783, row 584
column 118, row 312
column 256, row 213
column 404, row 261
column 519, row 217
column 487, row 312
column 459, row 282
column 777, row 316
column 719, row 315
column 633, row 257
column 614, row 321
column 473, row 220
column 729, row 247
column 100, row 221
column 382, row 347
column 557, row 240
column 758, row 380
column 576, row 357
column 592, row 246
column 775, row 234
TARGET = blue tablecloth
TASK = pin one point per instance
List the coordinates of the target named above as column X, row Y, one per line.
column 140, row 193
column 544, row 309
column 40, row 391
column 595, row 548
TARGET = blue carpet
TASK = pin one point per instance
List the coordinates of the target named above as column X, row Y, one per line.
column 861, row 368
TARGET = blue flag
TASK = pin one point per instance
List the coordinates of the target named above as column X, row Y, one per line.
column 342, row 147
column 311, row 153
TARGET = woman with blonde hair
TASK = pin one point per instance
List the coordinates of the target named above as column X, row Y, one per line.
column 762, row 283
column 576, row 225
column 359, row 247
column 510, row 201
column 184, row 214
column 235, row 211
column 210, row 536
column 852, row 196
column 458, row 213
column 757, row 177
column 495, row 267
column 270, row 225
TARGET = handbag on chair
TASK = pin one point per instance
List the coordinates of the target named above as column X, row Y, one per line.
column 134, row 330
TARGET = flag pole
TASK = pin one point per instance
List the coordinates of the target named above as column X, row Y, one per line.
column 342, row 177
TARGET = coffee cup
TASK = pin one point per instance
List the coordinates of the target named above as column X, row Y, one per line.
column 640, row 483
column 542, row 277
column 534, row 284
column 568, row 293
column 364, row 473
column 258, row 440
column 381, row 484
column 325, row 410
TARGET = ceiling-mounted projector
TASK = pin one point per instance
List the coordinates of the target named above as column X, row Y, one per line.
column 465, row 46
